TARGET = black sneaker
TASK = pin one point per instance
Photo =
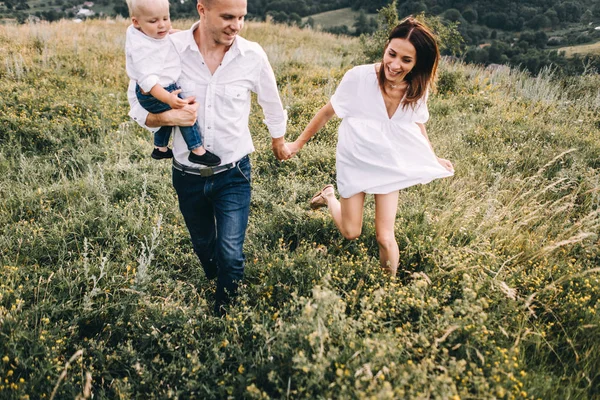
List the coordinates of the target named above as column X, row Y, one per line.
column 159, row 155
column 208, row 159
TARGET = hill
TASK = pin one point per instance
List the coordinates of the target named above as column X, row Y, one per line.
column 100, row 292
column 593, row 48
column 330, row 19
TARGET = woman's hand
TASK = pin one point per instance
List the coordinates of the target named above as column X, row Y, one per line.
column 446, row 164
column 295, row 147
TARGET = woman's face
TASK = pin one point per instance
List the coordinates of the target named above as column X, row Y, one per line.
column 398, row 60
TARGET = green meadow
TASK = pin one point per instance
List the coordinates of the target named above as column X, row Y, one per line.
column 342, row 16
column 101, row 295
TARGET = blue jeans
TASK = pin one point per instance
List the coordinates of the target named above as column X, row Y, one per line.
column 191, row 134
column 215, row 210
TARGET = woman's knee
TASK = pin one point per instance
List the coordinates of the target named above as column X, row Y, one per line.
column 387, row 240
column 351, row 232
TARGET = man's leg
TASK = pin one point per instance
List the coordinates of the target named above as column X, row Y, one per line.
column 231, row 201
column 198, row 213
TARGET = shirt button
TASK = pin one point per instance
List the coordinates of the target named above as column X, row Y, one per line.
column 209, row 127
column 209, row 106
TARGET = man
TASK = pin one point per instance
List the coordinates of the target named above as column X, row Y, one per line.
column 220, row 69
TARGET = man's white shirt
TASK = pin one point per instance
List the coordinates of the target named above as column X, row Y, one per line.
column 150, row 61
column 224, row 97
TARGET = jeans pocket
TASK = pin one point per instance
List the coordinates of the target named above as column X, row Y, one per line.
column 244, row 170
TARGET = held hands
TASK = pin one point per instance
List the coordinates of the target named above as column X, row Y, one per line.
column 446, row 164
column 295, row 147
column 280, row 149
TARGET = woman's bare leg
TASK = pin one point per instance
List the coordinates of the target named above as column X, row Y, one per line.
column 346, row 213
column 386, row 206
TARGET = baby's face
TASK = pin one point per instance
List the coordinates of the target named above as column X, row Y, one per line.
column 153, row 19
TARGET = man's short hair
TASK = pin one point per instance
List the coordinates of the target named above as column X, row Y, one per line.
column 135, row 5
column 207, row 3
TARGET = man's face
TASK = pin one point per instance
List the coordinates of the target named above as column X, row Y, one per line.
column 223, row 19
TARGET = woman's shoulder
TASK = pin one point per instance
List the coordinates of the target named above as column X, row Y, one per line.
column 359, row 73
column 362, row 70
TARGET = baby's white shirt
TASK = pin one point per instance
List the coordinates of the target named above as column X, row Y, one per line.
column 150, row 61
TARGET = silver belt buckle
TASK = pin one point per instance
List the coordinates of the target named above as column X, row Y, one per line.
column 206, row 172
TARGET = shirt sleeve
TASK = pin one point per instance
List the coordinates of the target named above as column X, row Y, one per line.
column 268, row 98
column 346, row 94
column 148, row 67
column 136, row 111
column 421, row 113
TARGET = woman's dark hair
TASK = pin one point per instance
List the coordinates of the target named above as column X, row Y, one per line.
column 428, row 54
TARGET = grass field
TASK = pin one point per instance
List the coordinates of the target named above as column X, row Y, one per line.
column 583, row 49
column 329, row 19
column 498, row 295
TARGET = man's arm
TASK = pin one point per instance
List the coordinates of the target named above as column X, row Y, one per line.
column 275, row 115
column 185, row 116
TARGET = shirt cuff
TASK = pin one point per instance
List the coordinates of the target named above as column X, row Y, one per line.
column 148, row 83
column 139, row 115
column 277, row 130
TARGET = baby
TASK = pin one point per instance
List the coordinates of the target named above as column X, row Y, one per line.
column 153, row 62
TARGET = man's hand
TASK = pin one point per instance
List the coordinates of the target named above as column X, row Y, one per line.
column 280, row 149
column 185, row 116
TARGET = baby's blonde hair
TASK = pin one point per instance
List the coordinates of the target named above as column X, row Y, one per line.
column 135, row 5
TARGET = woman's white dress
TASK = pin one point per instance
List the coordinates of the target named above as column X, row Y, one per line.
column 375, row 153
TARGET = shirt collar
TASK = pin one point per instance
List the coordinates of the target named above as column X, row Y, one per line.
column 239, row 44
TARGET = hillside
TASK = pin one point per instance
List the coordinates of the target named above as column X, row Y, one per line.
column 330, row 19
column 100, row 292
column 582, row 49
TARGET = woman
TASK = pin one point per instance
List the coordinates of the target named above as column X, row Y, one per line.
column 382, row 142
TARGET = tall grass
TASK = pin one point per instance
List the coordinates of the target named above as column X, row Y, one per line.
column 100, row 292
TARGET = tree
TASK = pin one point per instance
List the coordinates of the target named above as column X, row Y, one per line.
column 450, row 40
column 452, row 14
column 374, row 44
column 470, row 15
column 538, row 22
column 587, row 17
column 540, row 39
column 495, row 20
column 121, row 9
column 477, row 56
column 361, row 24
column 552, row 16
column 411, row 8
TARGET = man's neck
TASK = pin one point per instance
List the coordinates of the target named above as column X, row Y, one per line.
column 207, row 46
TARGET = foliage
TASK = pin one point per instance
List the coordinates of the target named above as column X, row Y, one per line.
column 449, row 40
column 100, row 293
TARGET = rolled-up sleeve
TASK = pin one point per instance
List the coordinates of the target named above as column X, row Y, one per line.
column 136, row 111
column 269, row 100
column 148, row 82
